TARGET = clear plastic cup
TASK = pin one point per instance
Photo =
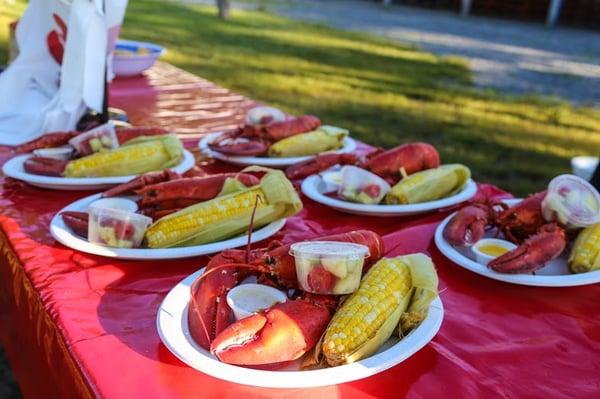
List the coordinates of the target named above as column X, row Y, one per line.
column 117, row 228
column 362, row 186
column 263, row 115
column 572, row 202
column 329, row 267
column 101, row 138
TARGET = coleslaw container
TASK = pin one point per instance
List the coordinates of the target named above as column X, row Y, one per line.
column 362, row 186
column 262, row 115
column 571, row 201
column 329, row 267
column 101, row 138
column 116, row 228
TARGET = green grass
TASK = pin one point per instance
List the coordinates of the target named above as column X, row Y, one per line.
column 385, row 93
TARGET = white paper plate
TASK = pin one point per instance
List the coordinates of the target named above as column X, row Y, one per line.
column 554, row 274
column 14, row 168
column 172, row 324
column 349, row 146
column 313, row 187
column 65, row 236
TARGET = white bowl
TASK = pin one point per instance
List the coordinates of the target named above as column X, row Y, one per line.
column 484, row 258
column 247, row 299
column 584, row 167
column 134, row 64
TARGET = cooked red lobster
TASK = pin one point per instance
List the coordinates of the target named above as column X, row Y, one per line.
column 252, row 140
column 539, row 241
column 390, row 165
column 254, row 340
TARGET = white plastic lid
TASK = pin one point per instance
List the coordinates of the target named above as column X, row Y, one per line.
column 329, row 249
column 121, row 215
column 256, row 114
column 582, row 212
column 122, row 204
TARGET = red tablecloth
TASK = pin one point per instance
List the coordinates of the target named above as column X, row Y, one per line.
column 77, row 325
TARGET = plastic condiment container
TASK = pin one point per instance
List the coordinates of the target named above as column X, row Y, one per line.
column 116, row 228
column 487, row 249
column 122, row 204
column 329, row 267
column 101, row 138
column 263, row 115
column 332, row 180
column 60, row 153
column 362, row 186
column 247, row 299
column 572, row 202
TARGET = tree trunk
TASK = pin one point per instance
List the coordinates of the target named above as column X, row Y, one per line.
column 223, row 8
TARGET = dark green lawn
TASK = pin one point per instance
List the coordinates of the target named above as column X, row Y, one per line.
column 385, row 93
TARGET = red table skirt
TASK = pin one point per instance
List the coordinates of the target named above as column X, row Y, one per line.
column 78, row 325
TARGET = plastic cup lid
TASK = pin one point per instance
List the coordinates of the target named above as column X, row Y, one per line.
column 329, row 249
column 562, row 185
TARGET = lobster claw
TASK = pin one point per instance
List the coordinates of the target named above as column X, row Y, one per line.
column 468, row 225
column 282, row 333
column 534, row 253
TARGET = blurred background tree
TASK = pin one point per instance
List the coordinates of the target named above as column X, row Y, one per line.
column 223, row 6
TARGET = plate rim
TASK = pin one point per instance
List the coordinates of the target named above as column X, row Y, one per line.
column 10, row 169
column 309, row 188
column 63, row 235
column 292, row 379
column 537, row 280
column 349, row 146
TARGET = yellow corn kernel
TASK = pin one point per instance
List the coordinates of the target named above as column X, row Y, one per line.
column 585, row 256
column 369, row 316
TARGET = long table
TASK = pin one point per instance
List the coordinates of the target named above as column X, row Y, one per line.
column 78, row 325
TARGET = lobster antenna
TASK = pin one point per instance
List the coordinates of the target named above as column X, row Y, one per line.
column 256, row 201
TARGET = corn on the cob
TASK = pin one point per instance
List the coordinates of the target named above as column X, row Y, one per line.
column 226, row 215
column 585, row 256
column 325, row 138
column 369, row 316
column 140, row 155
column 429, row 185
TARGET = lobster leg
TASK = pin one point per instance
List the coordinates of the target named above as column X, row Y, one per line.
column 319, row 164
column 48, row 140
